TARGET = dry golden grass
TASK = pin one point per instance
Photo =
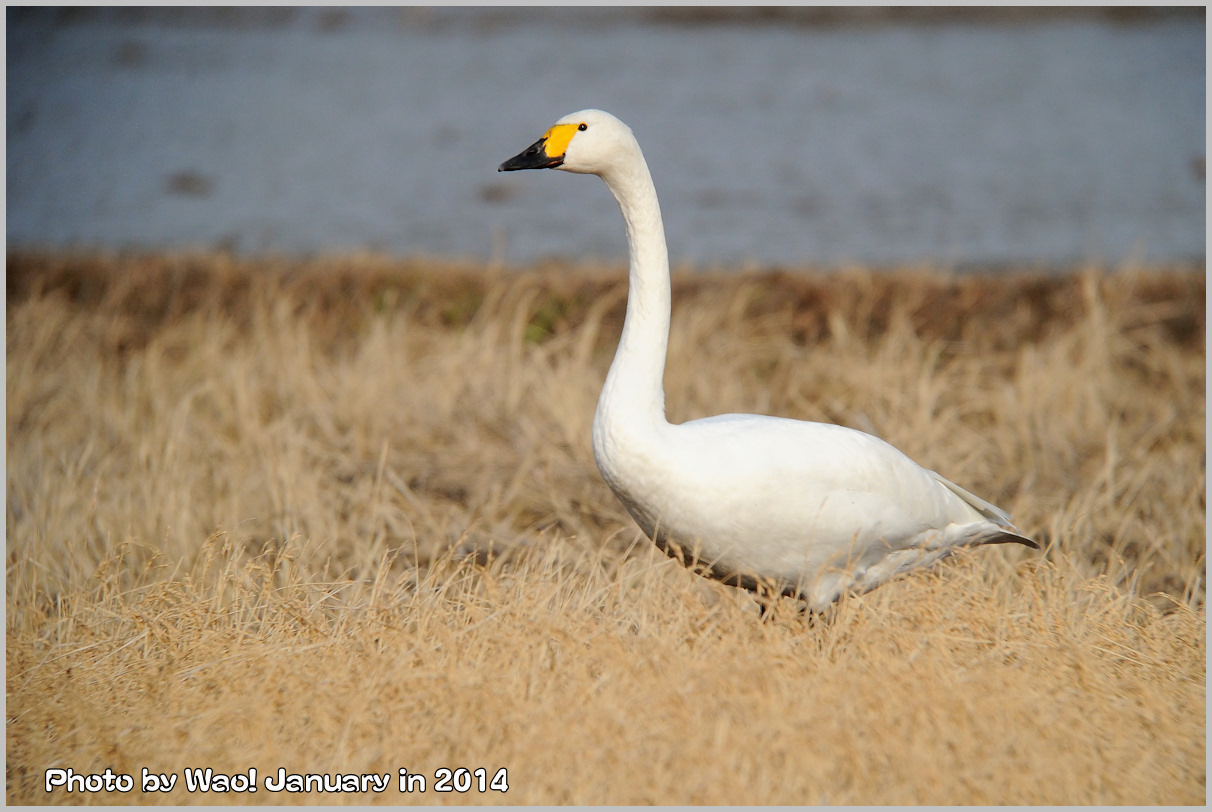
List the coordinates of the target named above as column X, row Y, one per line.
column 342, row 515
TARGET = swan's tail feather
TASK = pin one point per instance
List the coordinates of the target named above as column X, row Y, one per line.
column 991, row 512
column 1008, row 538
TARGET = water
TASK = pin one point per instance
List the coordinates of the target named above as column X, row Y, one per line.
column 960, row 144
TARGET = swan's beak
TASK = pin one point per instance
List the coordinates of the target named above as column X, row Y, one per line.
column 546, row 153
column 535, row 157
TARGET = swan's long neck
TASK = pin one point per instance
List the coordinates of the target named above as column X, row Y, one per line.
column 634, row 393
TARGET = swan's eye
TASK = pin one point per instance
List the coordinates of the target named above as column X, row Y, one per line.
column 583, row 127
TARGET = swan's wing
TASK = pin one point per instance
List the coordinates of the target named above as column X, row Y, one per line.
column 990, row 511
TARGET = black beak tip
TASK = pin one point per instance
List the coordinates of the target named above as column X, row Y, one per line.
column 525, row 161
column 534, row 157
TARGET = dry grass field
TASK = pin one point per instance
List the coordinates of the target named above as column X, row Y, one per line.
column 341, row 516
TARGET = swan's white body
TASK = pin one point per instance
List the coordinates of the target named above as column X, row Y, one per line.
column 808, row 508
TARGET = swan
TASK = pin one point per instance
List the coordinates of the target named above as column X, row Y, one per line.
column 771, row 504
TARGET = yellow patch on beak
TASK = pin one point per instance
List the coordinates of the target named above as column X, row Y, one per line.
column 557, row 139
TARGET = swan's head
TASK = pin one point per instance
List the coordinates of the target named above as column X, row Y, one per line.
column 590, row 142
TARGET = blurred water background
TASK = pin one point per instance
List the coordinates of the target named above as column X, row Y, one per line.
column 776, row 137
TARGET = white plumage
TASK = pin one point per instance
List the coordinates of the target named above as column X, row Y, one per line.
column 810, row 509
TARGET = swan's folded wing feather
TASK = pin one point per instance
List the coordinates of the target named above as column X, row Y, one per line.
column 990, row 511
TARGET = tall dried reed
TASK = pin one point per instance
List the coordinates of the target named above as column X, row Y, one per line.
column 341, row 515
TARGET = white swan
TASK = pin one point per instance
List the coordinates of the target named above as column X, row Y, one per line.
column 808, row 509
